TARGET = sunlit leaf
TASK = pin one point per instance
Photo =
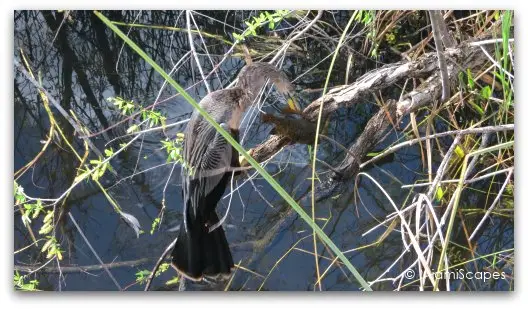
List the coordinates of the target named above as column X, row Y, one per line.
column 459, row 151
column 486, row 92
column 439, row 193
column 133, row 128
column 173, row 281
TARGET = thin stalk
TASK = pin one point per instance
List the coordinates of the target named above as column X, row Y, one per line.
column 314, row 161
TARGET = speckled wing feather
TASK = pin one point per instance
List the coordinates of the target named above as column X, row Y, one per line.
column 209, row 156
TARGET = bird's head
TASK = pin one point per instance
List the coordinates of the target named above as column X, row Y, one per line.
column 254, row 76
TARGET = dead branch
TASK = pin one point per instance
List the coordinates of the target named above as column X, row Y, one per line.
column 436, row 20
column 461, row 58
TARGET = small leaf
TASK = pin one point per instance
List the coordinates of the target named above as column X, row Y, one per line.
column 109, row 152
column 459, row 151
column 173, row 281
column 471, row 82
column 476, row 107
column 45, row 229
column 238, row 37
column 48, row 217
column 486, row 92
column 132, row 128
column 439, row 193
column 47, row 245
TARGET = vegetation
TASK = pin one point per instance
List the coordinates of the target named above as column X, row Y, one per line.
column 430, row 194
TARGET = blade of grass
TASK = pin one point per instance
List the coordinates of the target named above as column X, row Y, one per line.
column 314, row 161
column 240, row 149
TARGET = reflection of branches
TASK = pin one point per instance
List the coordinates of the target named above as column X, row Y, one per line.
column 193, row 51
column 81, row 269
column 304, row 43
column 69, row 53
column 103, row 265
column 57, row 106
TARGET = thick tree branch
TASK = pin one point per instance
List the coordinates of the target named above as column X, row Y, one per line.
column 461, row 58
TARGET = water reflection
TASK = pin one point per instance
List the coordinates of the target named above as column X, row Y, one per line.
column 81, row 63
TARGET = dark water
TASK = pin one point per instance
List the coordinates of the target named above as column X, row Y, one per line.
column 81, row 63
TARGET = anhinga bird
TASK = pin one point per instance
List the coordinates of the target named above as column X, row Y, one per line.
column 201, row 249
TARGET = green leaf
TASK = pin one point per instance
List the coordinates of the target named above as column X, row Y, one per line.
column 109, row 152
column 271, row 24
column 45, row 229
column 459, row 151
column 471, row 82
column 48, row 217
column 133, row 128
column 238, row 37
column 439, row 193
column 486, row 92
column 38, row 209
column 141, row 276
column 173, row 281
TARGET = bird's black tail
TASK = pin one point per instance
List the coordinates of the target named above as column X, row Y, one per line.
column 199, row 253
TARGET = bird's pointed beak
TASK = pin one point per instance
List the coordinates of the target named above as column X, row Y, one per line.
column 292, row 106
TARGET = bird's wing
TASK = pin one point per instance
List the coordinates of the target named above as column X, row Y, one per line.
column 209, row 156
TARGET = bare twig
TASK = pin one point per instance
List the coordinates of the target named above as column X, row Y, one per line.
column 488, row 212
column 391, row 149
column 158, row 263
column 191, row 44
column 443, row 165
column 298, row 35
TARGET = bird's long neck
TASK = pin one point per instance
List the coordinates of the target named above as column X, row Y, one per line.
column 236, row 117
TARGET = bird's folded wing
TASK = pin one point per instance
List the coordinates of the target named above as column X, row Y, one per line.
column 209, row 157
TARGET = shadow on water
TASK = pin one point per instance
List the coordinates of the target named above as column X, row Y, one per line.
column 82, row 63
